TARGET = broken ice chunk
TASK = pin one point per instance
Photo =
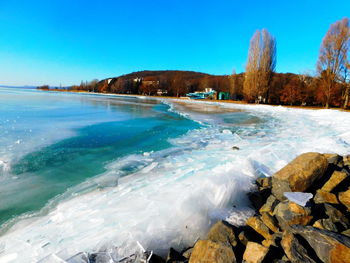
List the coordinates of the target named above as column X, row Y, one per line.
column 298, row 197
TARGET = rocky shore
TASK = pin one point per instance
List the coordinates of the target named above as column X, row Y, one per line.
column 302, row 215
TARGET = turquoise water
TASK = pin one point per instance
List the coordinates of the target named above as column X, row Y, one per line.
column 53, row 141
column 87, row 173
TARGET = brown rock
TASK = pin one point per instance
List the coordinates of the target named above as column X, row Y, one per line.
column 346, row 160
column 248, row 234
column 256, row 223
column 264, row 182
column 254, row 253
column 270, row 205
column 222, row 232
column 336, row 178
column 207, row 251
column 325, row 197
column 344, row 198
column 346, row 233
column 298, row 175
column 187, row 253
column 333, row 158
column 290, row 213
column 270, row 222
column 295, row 252
column 274, row 241
column 333, row 214
column 330, row 247
column 325, row 224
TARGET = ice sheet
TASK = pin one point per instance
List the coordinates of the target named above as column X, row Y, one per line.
column 178, row 194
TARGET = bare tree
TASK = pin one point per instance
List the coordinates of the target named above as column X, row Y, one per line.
column 333, row 57
column 250, row 86
column 233, row 84
column 260, row 66
column 346, row 86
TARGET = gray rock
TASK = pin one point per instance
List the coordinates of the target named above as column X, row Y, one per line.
column 326, row 224
column 269, row 205
column 295, row 252
column 222, row 231
column 290, row 213
column 330, row 247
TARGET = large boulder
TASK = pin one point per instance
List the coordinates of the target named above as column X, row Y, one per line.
column 222, row 232
column 290, row 213
column 206, row 251
column 329, row 247
column 254, row 253
column 299, row 175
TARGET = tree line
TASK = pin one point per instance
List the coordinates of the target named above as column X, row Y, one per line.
column 259, row 83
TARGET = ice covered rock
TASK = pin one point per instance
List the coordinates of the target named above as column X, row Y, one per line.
column 298, row 197
column 226, row 131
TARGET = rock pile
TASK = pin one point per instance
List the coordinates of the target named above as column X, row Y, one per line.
column 302, row 215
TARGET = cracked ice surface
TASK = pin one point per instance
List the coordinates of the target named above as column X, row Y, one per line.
column 181, row 191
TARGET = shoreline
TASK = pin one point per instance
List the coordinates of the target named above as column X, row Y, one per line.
column 293, row 221
column 199, row 100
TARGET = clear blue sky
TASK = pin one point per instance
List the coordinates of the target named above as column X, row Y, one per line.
column 66, row 41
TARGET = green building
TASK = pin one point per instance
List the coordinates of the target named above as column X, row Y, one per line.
column 223, row 95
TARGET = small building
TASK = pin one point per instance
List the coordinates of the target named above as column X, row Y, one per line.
column 161, row 92
column 223, row 95
column 201, row 95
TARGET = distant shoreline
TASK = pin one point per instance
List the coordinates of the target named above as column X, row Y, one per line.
column 194, row 100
